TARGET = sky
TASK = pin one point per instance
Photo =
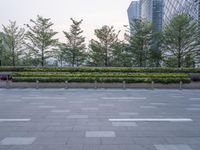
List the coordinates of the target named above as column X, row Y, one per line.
column 95, row 13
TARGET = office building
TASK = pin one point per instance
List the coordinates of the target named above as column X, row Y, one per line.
column 152, row 10
column 133, row 11
column 174, row 7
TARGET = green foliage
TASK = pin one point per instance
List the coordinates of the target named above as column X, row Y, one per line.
column 107, row 75
column 74, row 49
column 116, row 75
column 155, row 53
column 101, row 50
column 40, row 39
column 14, row 40
column 103, row 80
column 180, row 39
column 140, row 41
column 100, row 70
column 121, row 55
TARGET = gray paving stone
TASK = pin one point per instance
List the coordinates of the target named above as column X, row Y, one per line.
column 151, row 141
column 77, row 116
column 173, row 147
column 193, row 109
column 5, row 147
column 76, row 102
column 106, row 105
column 47, row 106
column 101, row 147
column 194, row 99
column 68, row 128
column 128, row 113
column 18, row 141
column 124, row 124
column 117, row 141
column 60, row 111
column 14, row 100
column 159, row 104
column 97, row 134
column 36, row 103
column 148, row 107
column 136, row 147
column 90, row 109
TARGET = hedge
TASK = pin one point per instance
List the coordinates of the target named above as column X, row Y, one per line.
column 102, row 80
column 113, row 75
column 92, row 69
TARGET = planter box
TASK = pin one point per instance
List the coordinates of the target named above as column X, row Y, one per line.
column 9, row 84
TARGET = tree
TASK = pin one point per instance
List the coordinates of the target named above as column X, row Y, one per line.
column 1, row 48
column 14, row 40
column 140, row 40
column 180, row 38
column 74, row 49
column 41, row 41
column 60, row 55
column 102, row 49
column 121, row 55
column 155, row 52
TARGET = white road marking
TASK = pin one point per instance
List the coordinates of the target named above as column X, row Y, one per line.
column 123, row 98
column 153, row 120
column 14, row 120
column 193, row 109
column 36, row 103
column 13, row 101
column 148, row 107
column 159, row 104
column 194, row 99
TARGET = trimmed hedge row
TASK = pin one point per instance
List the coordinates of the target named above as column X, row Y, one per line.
column 102, row 80
column 103, row 70
column 107, row 75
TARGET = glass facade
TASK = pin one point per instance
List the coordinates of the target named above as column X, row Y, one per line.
column 160, row 12
column 153, row 10
column 173, row 7
column 133, row 11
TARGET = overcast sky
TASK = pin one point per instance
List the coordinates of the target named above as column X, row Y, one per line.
column 95, row 13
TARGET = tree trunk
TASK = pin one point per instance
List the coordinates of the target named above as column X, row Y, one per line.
column 61, row 62
column 13, row 57
column 106, row 59
column 140, row 57
column 42, row 63
column 179, row 62
column 179, row 49
column 73, row 61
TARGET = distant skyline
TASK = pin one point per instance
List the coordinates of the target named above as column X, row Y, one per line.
column 95, row 13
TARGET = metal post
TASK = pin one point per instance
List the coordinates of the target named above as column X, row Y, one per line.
column 152, row 85
column 124, row 84
column 37, row 84
column 66, row 84
column 7, row 83
column 95, row 84
column 181, row 85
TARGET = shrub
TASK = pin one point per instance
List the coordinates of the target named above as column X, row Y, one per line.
column 92, row 69
column 113, row 75
column 102, row 80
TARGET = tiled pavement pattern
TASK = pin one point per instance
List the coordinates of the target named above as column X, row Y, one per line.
column 59, row 119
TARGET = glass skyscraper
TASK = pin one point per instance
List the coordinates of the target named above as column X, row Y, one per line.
column 133, row 11
column 160, row 12
column 173, row 7
column 152, row 10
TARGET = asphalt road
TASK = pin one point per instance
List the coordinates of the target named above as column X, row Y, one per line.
column 78, row 119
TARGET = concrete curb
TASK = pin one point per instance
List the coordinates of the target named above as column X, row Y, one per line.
column 37, row 85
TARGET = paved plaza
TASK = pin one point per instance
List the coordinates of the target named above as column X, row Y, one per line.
column 103, row 119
